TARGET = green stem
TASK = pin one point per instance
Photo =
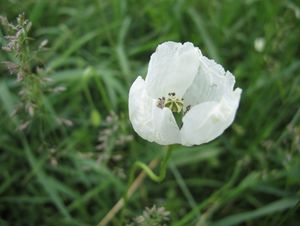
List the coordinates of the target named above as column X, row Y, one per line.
column 148, row 171
column 157, row 178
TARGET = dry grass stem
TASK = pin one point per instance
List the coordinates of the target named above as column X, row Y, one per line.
column 135, row 185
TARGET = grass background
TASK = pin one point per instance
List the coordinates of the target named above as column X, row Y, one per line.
column 55, row 174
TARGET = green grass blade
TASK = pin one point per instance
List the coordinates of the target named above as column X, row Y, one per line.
column 271, row 208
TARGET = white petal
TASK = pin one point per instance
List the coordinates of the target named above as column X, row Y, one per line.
column 172, row 68
column 210, row 84
column 149, row 121
column 208, row 120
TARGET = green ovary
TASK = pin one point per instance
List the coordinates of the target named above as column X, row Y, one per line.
column 174, row 105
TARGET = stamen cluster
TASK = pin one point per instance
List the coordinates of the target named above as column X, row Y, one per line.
column 172, row 102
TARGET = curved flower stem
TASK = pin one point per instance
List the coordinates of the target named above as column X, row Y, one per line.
column 134, row 184
column 149, row 172
column 157, row 178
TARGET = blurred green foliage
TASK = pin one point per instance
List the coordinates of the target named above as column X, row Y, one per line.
column 69, row 165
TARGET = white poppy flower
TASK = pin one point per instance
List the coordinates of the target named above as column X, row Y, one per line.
column 181, row 81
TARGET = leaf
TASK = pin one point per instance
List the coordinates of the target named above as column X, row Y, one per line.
column 276, row 206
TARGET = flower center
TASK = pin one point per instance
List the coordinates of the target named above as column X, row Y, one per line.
column 172, row 102
column 176, row 105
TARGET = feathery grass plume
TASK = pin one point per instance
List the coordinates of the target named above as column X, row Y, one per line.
column 111, row 136
column 154, row 216
column 111, row 126
column 27, row 67
column 17, row 43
